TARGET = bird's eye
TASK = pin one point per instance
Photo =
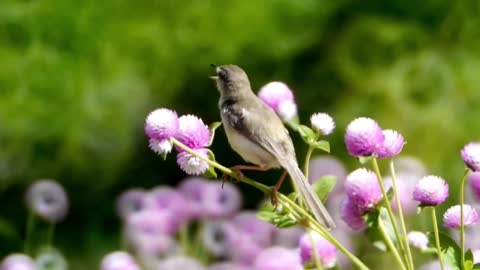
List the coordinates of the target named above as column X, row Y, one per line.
column 222, row 73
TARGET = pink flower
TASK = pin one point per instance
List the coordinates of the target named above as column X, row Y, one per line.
column 119, row 260
column 131, row 201
column 17, row 261
column 451, row 218
column 161, row 124
column 323, row 123
column 471, row 156
column 418, row 240
column 192, row 132
column 431, row 191
column 363, row 137
column 352, row 216
column 363, row 190
column 326, row 252
column 259, row 230
column 279, row 97
column 48, row 199
column 392, row 145
column 277, row 258
column 193, row 165
column 474, row 180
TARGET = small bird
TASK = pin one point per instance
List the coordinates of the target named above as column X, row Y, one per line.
column 258, row 135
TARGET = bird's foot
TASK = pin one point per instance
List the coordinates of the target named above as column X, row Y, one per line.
column 227, row 177
column 276, row 188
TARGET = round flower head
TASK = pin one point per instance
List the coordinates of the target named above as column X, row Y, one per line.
column 287, row 110
column 48, row 199
column 51, row 260
column 323, row 123
column 274, row 93
column 216, row 235
column 228, row 266
column 161, row 124
column 191, row 164
column 221, row 201
column 241, row 248
column 418, row 240
column 168, row 199
column 474, row 180
column 352, row 216
column 261, row 231
column 363, row 137
column 181, row 262
column 119, row 260
column 471, row 156
column 277, row 258
column 431, row 191
column 194, row 189
column 287, row 237
column 148, row 245
column 17, row 261
column 362, row 189
column 152, row 222
column 192, row 132
column 451, row 218
column 160, row 147
column 325, row 250
column 405, row 186
column 392, row 145
column 131, row 201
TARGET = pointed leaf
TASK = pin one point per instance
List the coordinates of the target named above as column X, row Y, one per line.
column 322, row 145
column 211, row 173
column 213, row 126
column 451, row 252
column 307, row 134
column 324, row 186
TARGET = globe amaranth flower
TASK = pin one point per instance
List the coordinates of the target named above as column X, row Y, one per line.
column 119, row 260
column 216, row 235
column 277, row 258
column 418, row 240
column 474, row 181
column 392, row 145
column 193, row 165
column 363, row 137
column 17, row 261
column 50, row 260
column 194, row 189
column 259, row 230
column 151, row 245
column 47, row 199
column 352, row 216
column 131, row 201
column 451, row 218
column 192, row 132
column 160, row 126
column 471, row 156
column 431, row 191
column 363, row 190
column 323, row 123
column 279, row 97
column 221, row 200
column 165, row 198
column 287, row 237
column 242, row 248
column 326, row 252
column 152, row 222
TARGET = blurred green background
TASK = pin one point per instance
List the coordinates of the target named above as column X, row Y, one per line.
column 77, row 79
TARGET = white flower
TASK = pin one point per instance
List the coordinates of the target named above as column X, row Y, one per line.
column 323, row 123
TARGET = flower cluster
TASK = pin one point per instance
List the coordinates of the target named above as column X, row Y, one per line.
column 162, row 125
column 279, row 97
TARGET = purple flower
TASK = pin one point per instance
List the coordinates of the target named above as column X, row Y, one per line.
column 228, row 266
column 451, row 218
column 474, row 180
column 274, row 93
column 392, row 145
column 221, row 201
column 287, row 110
column 181, row 262
column 327, row 165
column 326, row 252
column 131, row 201
column 17, row 261
column 410, row 165
column 160, row 147
column 192, row 132
column 287, row 237
column 168, row 199
column 418, row 240
column 323, row 123
column 362, row 189
column 194, row 189
column 431, row 191
column 191, row 164
column 151, row 245
column 363, row 137
column 241, row 247
column 48, row 199
column 259, row 230
column 471, row 156
column 216, row 237
column 277, row 258
column 405, row 186
column 119, row 260
column 161, row 124
column 152, row 222
column 476, row 256
column 352, row 216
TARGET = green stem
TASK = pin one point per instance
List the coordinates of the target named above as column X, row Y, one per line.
column 50, row 233
column 437, row 238
column 308, row 156
column 316, row 259
column 400, row 213
column 28, row 233
column 184, row 240
column 462, row 225
column 390, row 244
column 284, row 200
column 376, row 169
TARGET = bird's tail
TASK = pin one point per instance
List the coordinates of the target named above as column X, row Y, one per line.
column 311, row 199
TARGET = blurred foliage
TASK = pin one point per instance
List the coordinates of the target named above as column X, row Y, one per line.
column 77, row 79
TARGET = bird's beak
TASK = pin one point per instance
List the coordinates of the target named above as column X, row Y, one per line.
column 214, row 77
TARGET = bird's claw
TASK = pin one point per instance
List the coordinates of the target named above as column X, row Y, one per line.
column 227, row 177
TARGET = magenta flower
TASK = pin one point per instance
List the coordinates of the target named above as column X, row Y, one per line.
column 325, row 250
column 119, row 260
column 275, row 93
column 152, row 222
column 221, row 201
column 392, row 145
column 131, row 201
column 192, row 132
column 451, row 218
column 151, row 245
column 323, row 123
column 161, row 124
column 259, row 230
column 474, row 180
column 431, row 191
column 193, row 165
column 47, row 199
column 352, row 216
column 363, row 137
column 471, row 156
column 195, row 190
column 363, row 190
column 165, row 198
column 17, row 261
column 277, row 258
column 418, row 240
column 160, row 147
column 287, row 110
column 287, row 237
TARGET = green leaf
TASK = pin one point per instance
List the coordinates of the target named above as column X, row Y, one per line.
column 451, row 252
column 476, row 266
column 322, row 145
column 211, row 173
column 7, row 230
column 307, row 134
column 213, row 126
column 268, row 216
column 324, row 186
column 286, row 223
column 373, row 231
column 365, row 160
column 468, row 264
